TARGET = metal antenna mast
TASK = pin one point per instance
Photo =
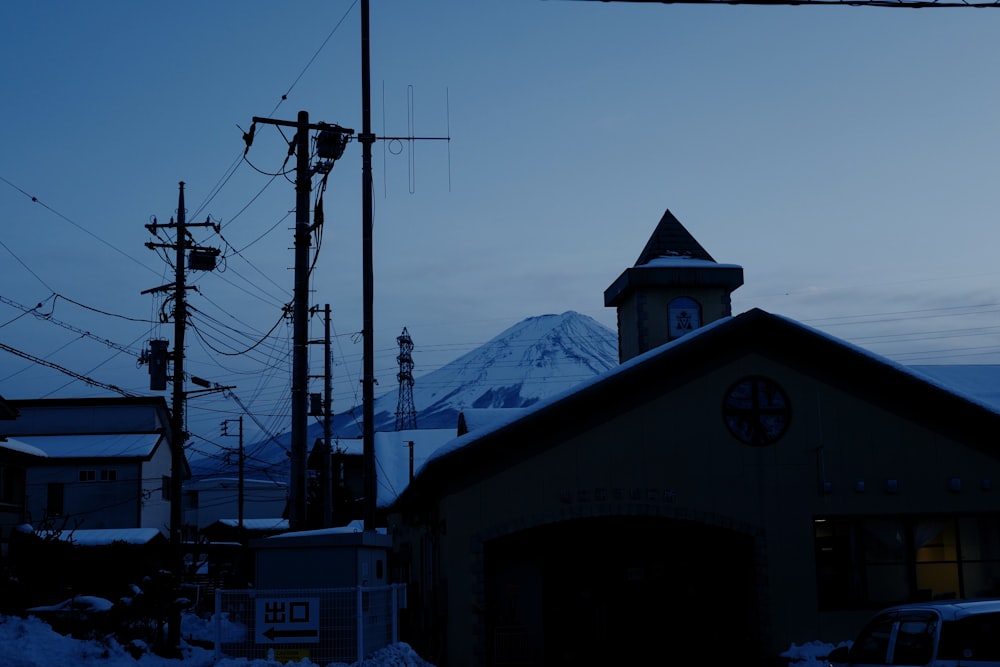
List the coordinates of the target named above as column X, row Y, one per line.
column 367, row 139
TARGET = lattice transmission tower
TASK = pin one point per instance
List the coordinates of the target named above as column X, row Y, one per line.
column 406, row 414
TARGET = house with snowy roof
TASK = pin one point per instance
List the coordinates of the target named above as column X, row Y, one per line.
column 213, row 499
column 97, row 463
column 397, row 455
column 738, row 482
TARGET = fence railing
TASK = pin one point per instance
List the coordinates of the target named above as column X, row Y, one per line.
column 324, row 625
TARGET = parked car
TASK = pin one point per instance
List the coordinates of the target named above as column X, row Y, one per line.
column 945, row 633
column 78, row 616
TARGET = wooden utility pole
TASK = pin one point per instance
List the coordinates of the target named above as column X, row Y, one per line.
column 241, row 467
column 324, row 409
column 300, row 326
column 327, row 471
column 178, row 436
column 300, row 303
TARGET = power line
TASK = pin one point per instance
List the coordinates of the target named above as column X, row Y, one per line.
column 66, row 371
column 77, row 225
column 69, row 327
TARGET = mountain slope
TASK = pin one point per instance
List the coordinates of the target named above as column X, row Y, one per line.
column 534, row 359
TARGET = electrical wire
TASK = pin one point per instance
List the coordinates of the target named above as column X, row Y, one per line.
column 75, row 224
column 66, row 371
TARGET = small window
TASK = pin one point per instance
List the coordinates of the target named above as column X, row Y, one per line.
column 88, row 475
column 684, row 316
column 165, row 487
column 109, row 475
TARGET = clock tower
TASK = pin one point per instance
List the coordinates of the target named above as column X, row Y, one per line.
column 674, row 288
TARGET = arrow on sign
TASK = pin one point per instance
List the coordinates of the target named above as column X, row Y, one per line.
column 273, row 634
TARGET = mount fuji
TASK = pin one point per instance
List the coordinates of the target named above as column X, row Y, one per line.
column 536, row 358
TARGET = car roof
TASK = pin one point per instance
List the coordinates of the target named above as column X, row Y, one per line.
column 952, row 609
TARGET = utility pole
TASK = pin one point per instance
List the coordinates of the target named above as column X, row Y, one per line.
column 330, row 144
column 178, row 435
column 367, row 139
column 336, row 139
column 324, row 408
column 241, row 466
column 327, row 423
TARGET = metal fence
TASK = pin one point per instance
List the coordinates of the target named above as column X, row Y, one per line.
column 324, row 625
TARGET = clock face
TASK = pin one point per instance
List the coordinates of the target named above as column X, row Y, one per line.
column 756, row 411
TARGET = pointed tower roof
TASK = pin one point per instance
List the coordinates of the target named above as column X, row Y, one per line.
column 672, row 258
column 674, row 287
column 671, row 239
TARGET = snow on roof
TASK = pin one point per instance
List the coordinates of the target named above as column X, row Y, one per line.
column 507, row 419
column 213, row 483
column 978, row 383
column 24, row 448
column 356, row 526
column 480, row 418
column 256, row 524
column 115, row 445
column 392, row 458
column 104, row 536
column 978, row 387
column 687, row 261
column 975, row 384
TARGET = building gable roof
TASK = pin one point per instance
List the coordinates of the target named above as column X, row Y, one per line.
column 77, row 416
column 642, row 378
column 136, row 446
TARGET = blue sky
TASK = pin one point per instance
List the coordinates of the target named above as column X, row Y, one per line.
column 844, row 156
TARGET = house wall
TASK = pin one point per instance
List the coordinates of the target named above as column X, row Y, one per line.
column 219, row 499
column 86, row 504
column 12, row 492
column 155, row 509
column 320, row 559
column 673, row 457
column 46, row 418
column 644, row 318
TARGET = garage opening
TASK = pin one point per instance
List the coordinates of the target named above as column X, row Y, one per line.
column 612, row 590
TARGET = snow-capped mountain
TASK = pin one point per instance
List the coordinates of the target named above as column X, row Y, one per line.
column 532, row 360
column 535, row 358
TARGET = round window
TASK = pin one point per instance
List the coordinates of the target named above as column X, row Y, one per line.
column 756, row 411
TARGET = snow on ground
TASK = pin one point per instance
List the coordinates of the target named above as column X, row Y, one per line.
column 29, row 642
column 32, row 643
